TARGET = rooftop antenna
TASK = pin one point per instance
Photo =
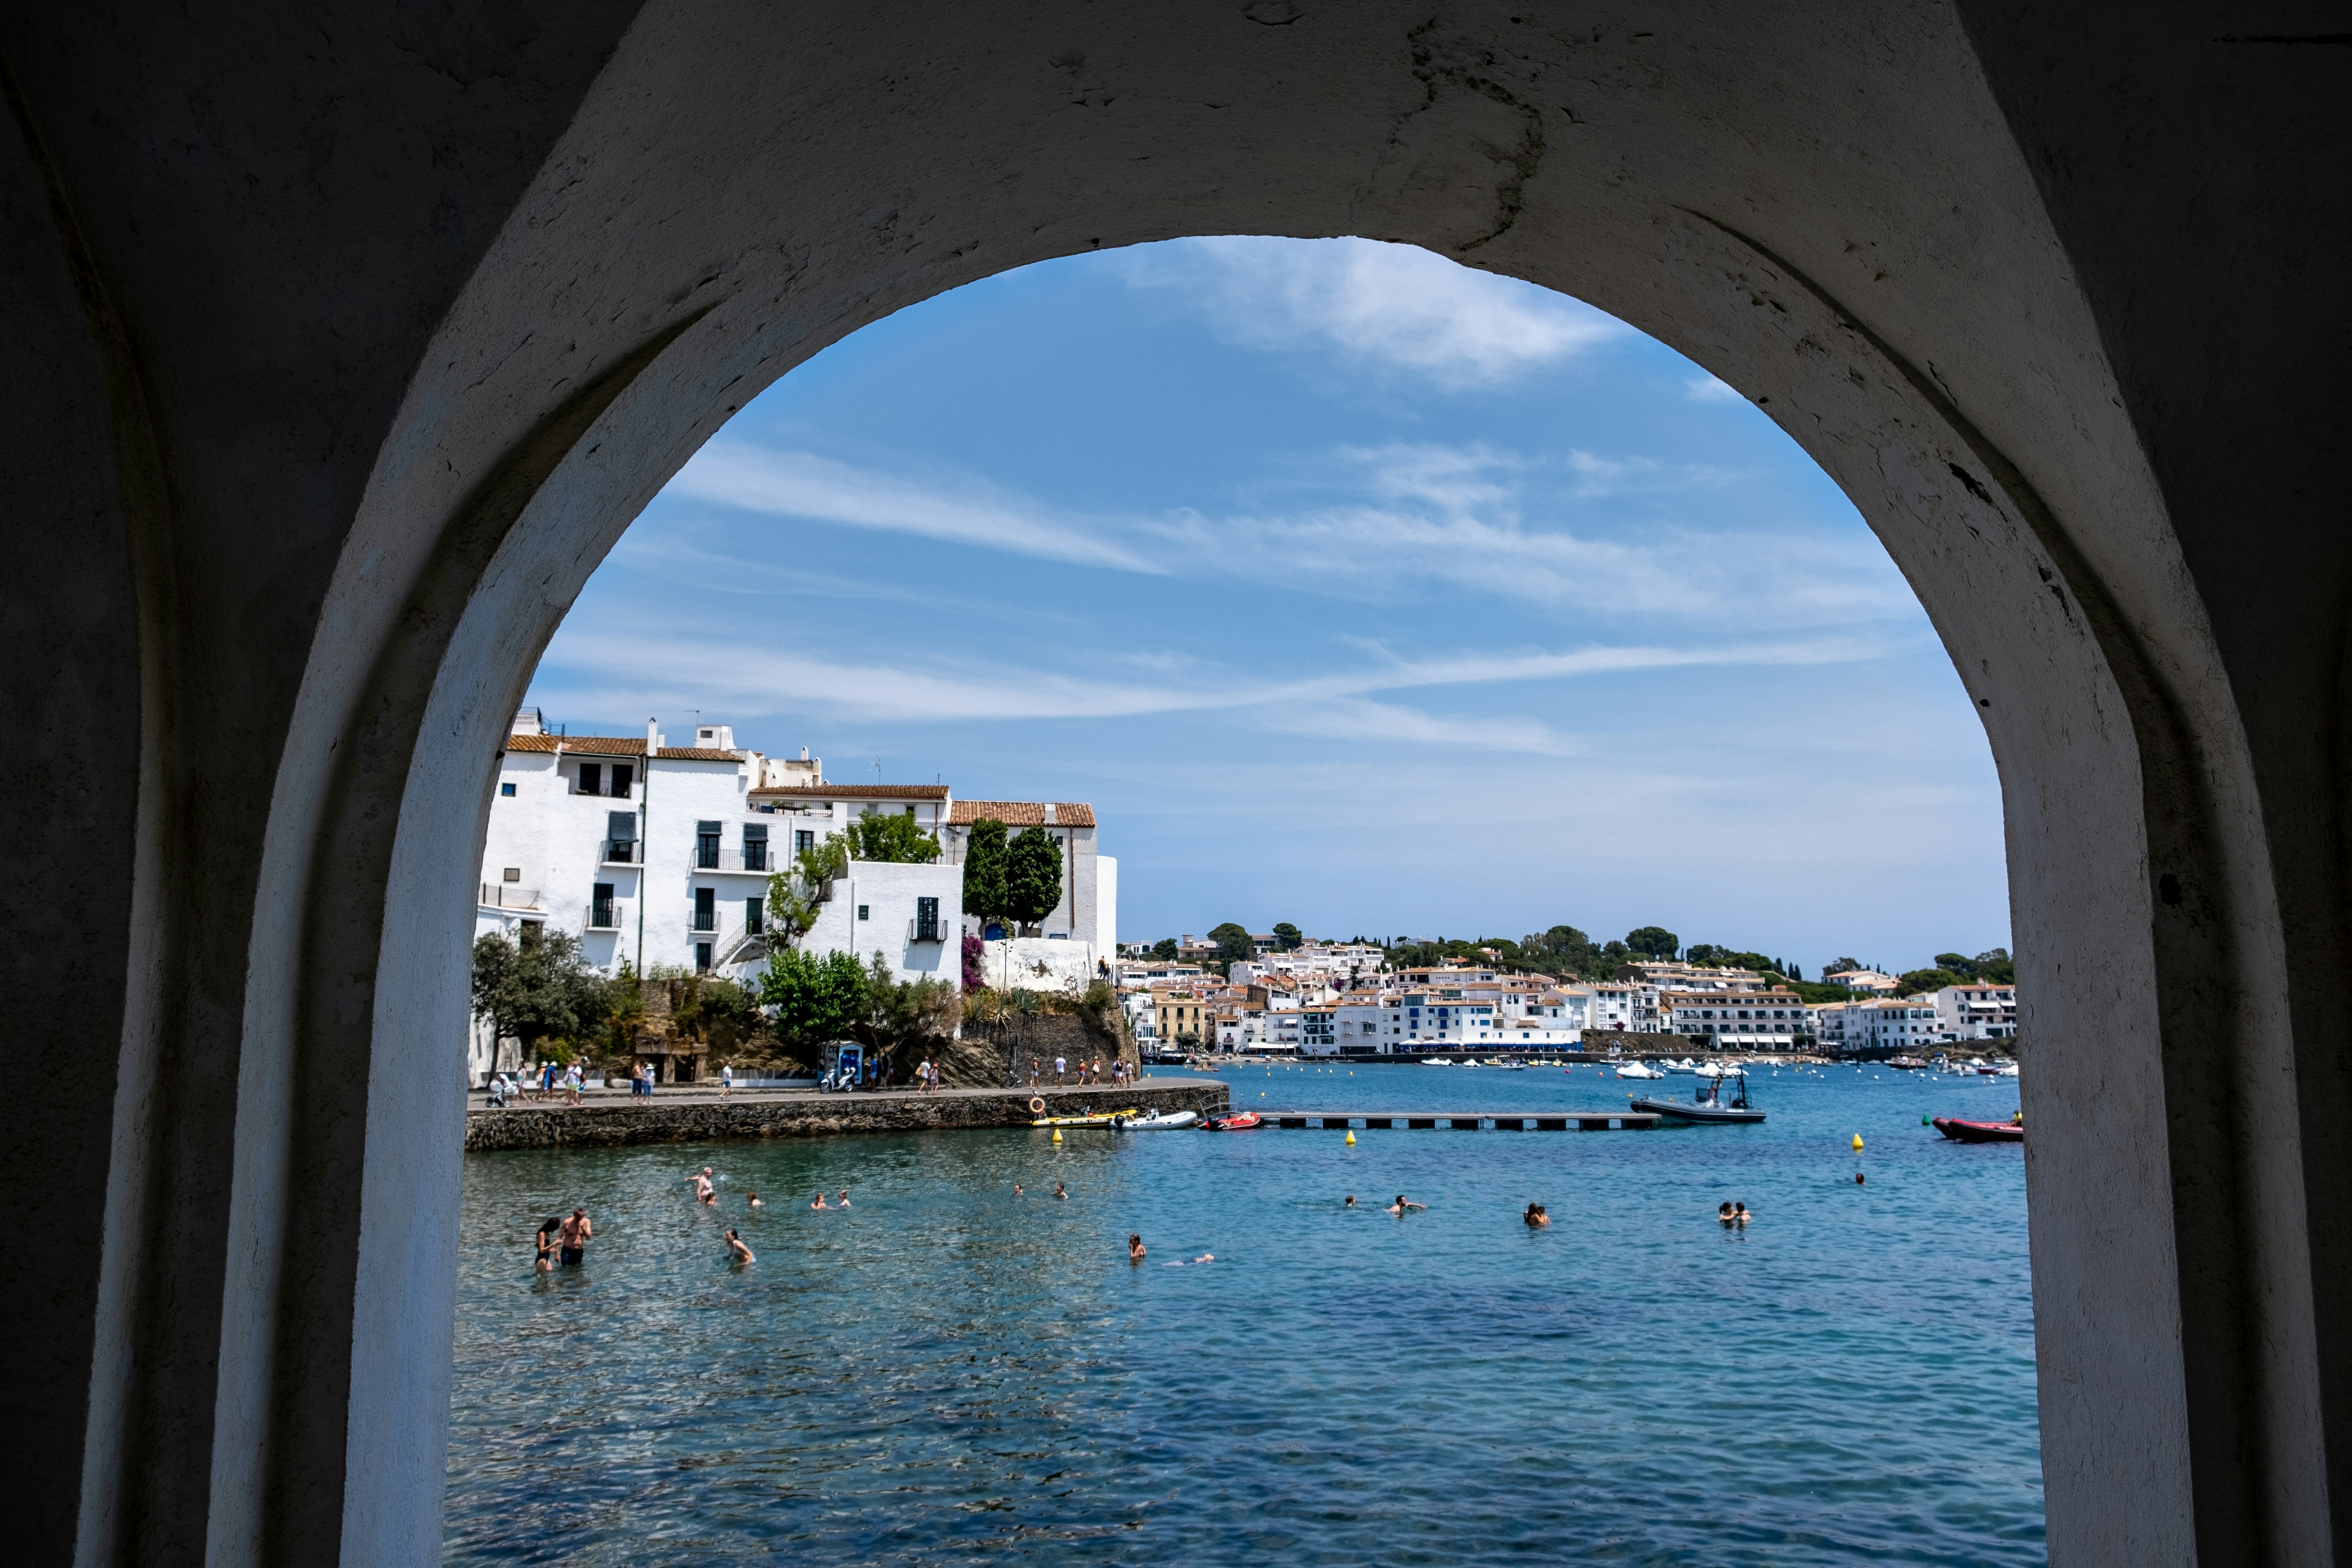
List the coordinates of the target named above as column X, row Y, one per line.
column 878, row 771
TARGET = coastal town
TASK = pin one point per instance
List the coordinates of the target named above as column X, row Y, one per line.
column 748, row 895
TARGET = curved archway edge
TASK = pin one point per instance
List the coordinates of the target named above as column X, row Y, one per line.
column 437, row 316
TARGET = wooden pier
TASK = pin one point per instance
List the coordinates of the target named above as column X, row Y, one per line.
column 1469, row 1120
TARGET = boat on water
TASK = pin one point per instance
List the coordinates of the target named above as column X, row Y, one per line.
column 1236, row 1121
column 1092, row 1119
column 1908, row 1064
column 1156, row 1120
column 1998, row 1069
column 1436, row 1062
column 1708, row 1104
column 1639, row 1069
column 1959, row 1130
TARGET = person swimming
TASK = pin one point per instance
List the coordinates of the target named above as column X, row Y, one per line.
column 1536, row 1218
column 1857, row 1178
column 1723, row 1212
column 703, row 1191
column 820, row 1202
column 1060, row 1191
column 1351, row 1203
column 842, row 1200
column 1398, row 1207
column 1135, row 1248
column 1016, row 1189
column 736, row 1251
column 1739, row 1212
column 753, row 1199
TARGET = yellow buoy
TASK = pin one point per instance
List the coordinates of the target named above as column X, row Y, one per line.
column 1057, row 1135
column 1351, row 1137
column 1857, row 1142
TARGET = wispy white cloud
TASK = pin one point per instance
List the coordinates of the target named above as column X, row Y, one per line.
column 1391, row 304
column 1401, row 516
column 803, row 485
column 1708, row 389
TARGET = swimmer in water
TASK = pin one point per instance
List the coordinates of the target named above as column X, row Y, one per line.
column 1723, row 1212
column 1060, row 1191
column 753, row 1199
column 1535, row 1217
column 1135, row 1248
column 1739, row 1212
column 703, row 1191
column 842, row 1202
column 1351, row 1203
column 1857, row 1178
column 820, row 1202
column 1016, row 1189
column 736, row 1251
column 547, row 1233
column 1398, row 1207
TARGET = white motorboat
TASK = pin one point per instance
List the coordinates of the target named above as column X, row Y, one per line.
column 1639, row 1069
column 1436, row 1062
column 1156, row 1120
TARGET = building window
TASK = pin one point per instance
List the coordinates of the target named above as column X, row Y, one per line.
column 927, row 919
column 804, row 839
column 702, row 957
column 600, row 909
column 512, row 874
column 864, row 911
column 621, row 837
column 706, row 846
column 625, row 778
column 592, row 778
column 754, row 915
column 706, row 911
column 755, row 846
column 507, row 790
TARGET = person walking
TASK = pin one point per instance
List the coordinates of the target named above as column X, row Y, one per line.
column 727, row 1080
column 572, row 1084
column 1061, row 1070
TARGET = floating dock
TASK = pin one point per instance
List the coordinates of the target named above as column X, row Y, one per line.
column 1470, row 1121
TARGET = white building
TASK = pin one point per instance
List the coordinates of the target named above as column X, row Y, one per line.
column 658, row 856
column 1977, row 1010
column 1904, row 1025
column 1088, row 912
column 1768, row 1020
column 1863, row 980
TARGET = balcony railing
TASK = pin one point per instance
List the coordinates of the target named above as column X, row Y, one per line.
column 506, row 896
column 921, row 929
column 758, row 859
column 620, row 852
column 613, row 915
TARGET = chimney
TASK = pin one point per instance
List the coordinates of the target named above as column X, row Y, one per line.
column 653, row 741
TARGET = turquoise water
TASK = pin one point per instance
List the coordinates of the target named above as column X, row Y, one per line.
column 947, row 1373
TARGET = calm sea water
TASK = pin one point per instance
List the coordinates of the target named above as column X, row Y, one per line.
column 949, row 1373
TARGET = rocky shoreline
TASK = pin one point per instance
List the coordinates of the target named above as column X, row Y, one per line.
column 804, row 1115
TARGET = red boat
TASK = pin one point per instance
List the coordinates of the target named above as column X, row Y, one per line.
column 1960, row 1131
column 1239, row 1121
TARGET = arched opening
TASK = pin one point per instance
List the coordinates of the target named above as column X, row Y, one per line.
column 732, row 591
column 1878, row 232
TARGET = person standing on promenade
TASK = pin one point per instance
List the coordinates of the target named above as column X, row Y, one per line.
column 727, row 1080
column 736, row 1251
column 574, row 1237
column 1061, row 1070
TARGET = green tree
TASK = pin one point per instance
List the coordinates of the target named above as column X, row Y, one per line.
column 816, row 999
column 984, row 892
column 1919, row 980
column 1289, row 937
column 1164, row 948
column 891, row 836
column 1653, row 942
column 1234, row 944
column 1841, row 964
column 1995, row 967
column 1032, row 875
column 903, row 1015
column 1958, row 964
column 539, row 989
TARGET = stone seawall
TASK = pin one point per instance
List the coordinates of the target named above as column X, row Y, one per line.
column 811, row 1115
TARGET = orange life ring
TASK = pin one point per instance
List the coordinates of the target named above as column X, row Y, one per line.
column 1036, row 1105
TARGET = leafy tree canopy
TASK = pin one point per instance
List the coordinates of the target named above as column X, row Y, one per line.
column 1919, row 980
column 538, row 989
column 1165, row 948
column 1654, row 941
column 816, row 998
column 1289, row 937
column 1838, row 964
column 891, row 836
column 1032, row 875
column 985, row 894
column 1234, row 944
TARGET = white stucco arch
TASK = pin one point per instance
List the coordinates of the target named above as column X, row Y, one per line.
column 1853, row 218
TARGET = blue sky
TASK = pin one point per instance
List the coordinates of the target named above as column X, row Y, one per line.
column 1352, row 587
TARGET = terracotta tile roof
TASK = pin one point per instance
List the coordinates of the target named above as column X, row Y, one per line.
column 617, row 746
column 851, row 791
column 1022, row 813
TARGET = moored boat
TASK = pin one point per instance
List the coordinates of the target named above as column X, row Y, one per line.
column 1156, row 1120
column 1962, row 1131
column 1093, row 1119
column 1708, row 1105
column 1237, row 1122
column 1639, row 1069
